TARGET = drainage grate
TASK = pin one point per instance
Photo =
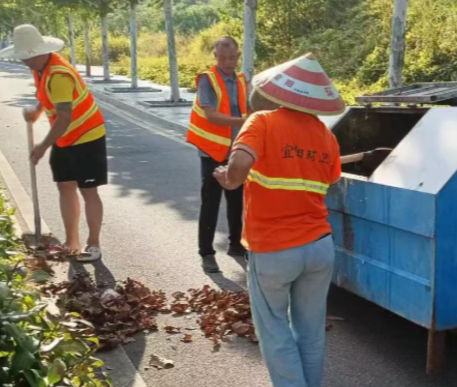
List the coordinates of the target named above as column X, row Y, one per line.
column 159, row 104
column 131, row 90
column 102, row 81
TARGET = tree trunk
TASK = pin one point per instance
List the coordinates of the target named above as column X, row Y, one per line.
column 105, row 49
column 250, row 13
column 397, row 44
column 71, row 32
column 173, row 63
column 87, row 48
column 133, row 46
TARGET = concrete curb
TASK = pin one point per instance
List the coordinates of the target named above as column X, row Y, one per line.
column 138, row 112
column 123, row 373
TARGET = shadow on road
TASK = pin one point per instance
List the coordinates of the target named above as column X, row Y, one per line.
column 395, row 344
column 22, row 101
column 153, row 156
column 224, row 283
column 101, row 274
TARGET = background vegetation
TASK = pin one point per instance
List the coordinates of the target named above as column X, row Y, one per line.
column 350, row 37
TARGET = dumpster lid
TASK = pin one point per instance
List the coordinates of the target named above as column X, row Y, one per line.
column 419, row 93
column 426, row 159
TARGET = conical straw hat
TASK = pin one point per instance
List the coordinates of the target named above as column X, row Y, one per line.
column 29, row 43
column 302, row 85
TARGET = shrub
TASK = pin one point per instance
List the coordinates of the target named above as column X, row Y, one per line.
column 39, row 346
column 157, row 69
column 119, row 46
column 195, row 55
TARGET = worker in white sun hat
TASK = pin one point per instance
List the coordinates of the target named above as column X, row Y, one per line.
column 77, row 138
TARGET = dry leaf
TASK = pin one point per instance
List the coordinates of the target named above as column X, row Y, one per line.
column 172, row 330
column 180, row 307
column 187, row 338
column 253, row 338
column 160, row 362
column 216, row 343
column 178, row 295
column 240, row 328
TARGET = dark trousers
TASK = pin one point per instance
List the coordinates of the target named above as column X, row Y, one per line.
column 211, row 194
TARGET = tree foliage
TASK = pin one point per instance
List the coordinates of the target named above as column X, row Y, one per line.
column 351, row 37
column 46, row 16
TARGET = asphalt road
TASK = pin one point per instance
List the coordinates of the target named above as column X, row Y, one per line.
column 151, row 210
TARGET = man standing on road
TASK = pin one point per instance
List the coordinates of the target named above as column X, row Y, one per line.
column 288, row 159
column 77, row 136
column 219, row 111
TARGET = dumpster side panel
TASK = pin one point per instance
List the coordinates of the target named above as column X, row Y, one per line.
column 446, row 260
column 408, row 210
column 385, row 242
column 385, row 265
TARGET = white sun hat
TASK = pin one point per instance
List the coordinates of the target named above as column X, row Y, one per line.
column 301, row 85
column 29, row 43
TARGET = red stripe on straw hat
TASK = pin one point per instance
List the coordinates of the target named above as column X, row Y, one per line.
column 301, row 101
column 318, row 79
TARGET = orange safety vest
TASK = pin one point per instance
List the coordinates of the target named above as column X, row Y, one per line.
column 210, row 138
column 85, row 115
column 284, row 194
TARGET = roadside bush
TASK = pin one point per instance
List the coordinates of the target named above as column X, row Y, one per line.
column 39, row 345
column 194, row 55
column 119, row 46
column 157, row 69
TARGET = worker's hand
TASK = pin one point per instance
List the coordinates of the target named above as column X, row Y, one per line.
column 31, row 114
column 220, row 174
column 38, row 153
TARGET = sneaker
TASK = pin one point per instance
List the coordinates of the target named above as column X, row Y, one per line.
column 209, row 264
column 237, row 251
column 90, row 254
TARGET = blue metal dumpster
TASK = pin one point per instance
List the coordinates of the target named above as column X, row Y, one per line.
column 395, row 228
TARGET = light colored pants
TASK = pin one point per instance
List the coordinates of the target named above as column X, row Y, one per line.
column 295, row 281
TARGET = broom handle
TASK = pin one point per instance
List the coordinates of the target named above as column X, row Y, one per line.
column 352, row 158
column 36, row 205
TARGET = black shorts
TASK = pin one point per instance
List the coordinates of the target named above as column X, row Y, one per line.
column 86, row 164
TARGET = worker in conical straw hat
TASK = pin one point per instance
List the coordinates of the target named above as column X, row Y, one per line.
column 77, row 137
column 287, row 159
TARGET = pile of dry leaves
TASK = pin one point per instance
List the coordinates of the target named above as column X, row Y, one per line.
column 221, row 313
column 116, row 314
column 119, row 314
column 131, row 307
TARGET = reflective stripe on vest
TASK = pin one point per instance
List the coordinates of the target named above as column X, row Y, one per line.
column 210, row 136
column 213, row 139
column 288, row 184
column 85, row 114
